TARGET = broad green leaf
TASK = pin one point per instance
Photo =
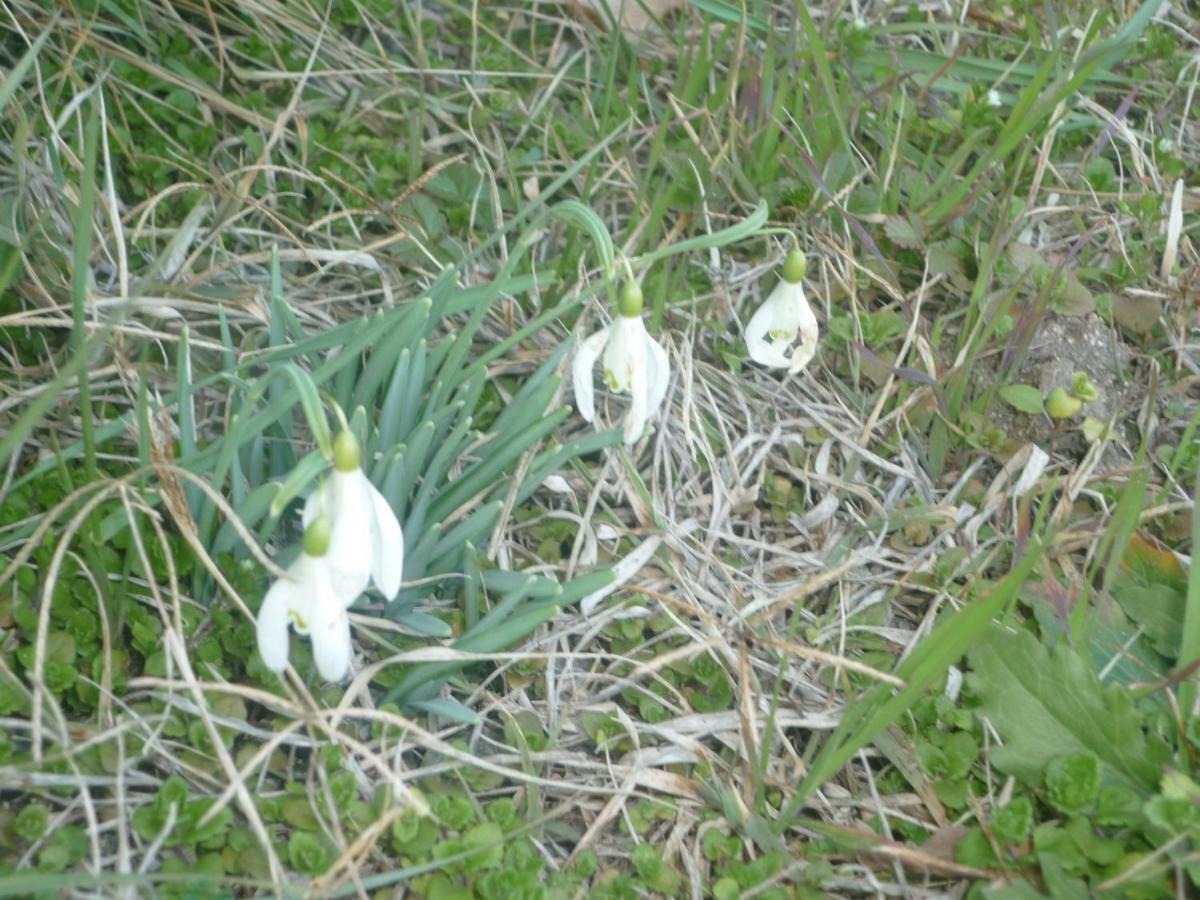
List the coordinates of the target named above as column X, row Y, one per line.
column 1046, row 704
column 1117, row 647
column 1157, row 608
column 1023, row 398
column 904, row 231
column 1073, row 783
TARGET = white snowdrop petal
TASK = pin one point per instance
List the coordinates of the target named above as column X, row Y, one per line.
column 633, row 363
column 387, row 568
column 806, row 349
column 658, row 373
column 313, row 505
column 350, row 545
column 783, row 317
column 307, row 576
column 639, row 391
column 271, row 626
column 762, row 351
column 625, row 344
column 330, row 635
column 581, row 373
column 767, row 353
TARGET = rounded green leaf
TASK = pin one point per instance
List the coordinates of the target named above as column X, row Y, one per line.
column 1023, row 398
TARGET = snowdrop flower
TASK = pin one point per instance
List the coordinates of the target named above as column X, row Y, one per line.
column 307, row 600
column 366, row 543
column 633, row 362
column 784, row 316
column 993, row 99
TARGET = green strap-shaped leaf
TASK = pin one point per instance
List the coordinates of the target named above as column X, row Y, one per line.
column 302, row 475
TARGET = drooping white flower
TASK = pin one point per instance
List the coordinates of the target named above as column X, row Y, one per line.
column 633, row 362
column 785, row 318
column 366, row 542
column 308, row 601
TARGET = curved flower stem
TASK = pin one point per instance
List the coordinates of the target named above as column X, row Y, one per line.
column 749, row 227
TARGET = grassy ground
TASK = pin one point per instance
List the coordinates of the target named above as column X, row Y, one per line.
column 918, row 620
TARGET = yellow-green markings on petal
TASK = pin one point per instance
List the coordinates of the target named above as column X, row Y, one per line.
column 346, row 455
column 298, row 621
column 794, row 267
column 317, row 536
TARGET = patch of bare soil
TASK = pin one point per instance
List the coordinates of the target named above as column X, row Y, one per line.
column 1062, row 346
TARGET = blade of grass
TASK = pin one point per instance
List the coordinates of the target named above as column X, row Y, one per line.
column 816, row 48
column 1189, row 640
column 81, row 276
column 13, row 78
column 730, row 14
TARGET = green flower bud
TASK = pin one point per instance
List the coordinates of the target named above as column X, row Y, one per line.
column 629, row 303
column 1061, row 405
column 794, row 267
column 346, row 455
column 317, row 536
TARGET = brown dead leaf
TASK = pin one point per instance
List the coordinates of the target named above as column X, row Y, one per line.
column 1137, row 312
column 1146, row 556
column 635, row 16
column 942, row 843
